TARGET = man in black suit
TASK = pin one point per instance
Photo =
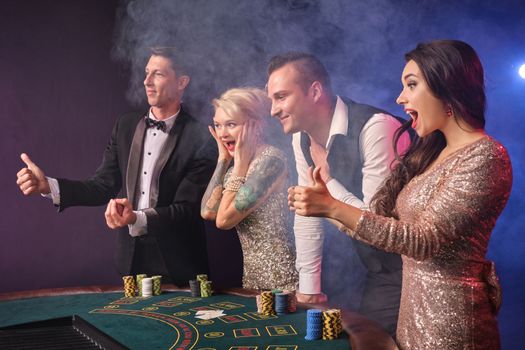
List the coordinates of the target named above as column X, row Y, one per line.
column 162, row 159
column 352, row 144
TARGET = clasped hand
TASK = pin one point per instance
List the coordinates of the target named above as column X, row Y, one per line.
column 119, row 213
column 313, row 200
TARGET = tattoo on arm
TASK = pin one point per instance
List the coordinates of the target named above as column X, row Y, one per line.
column 260, row 181
column 212, row 196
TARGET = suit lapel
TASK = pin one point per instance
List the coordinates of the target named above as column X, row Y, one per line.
column 171, row 142
column 135, row 155
column 167, row 150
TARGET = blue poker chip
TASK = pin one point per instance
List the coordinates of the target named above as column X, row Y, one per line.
column 314, row 312
column 311, row 338
column 281, row 303
column 314, row 324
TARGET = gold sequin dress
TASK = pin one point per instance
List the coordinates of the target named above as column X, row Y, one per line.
column 266, row 237
column 450, row 293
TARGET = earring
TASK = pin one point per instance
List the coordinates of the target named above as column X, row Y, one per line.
column 449, row 111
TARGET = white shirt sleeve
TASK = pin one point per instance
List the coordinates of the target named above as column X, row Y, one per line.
column 377, row 156
column 309, row 234
column 140, row 227
column 339, row 192
column 55, row 190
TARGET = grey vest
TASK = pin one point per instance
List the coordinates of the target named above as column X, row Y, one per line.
column 346, row 166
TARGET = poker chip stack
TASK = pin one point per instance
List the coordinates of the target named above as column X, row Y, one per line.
column 267, row 303
column 281, row 303
column 139, row 283
column 206, row 290
column 314, row 324
column 292, row 301
column 157, row 285
column 147, row 287
column 258, row 299
column 195, row 288
column 129, row 286
column 202, row 278
column 332, row 326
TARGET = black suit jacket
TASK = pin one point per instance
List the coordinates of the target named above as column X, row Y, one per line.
column 187, row 162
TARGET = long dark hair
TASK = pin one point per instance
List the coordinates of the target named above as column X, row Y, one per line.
column 454, row 74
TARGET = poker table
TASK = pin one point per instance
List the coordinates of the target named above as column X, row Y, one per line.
column 168, row 321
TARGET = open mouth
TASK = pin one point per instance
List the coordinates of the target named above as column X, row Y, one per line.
column 230, row 145
column 414, row 115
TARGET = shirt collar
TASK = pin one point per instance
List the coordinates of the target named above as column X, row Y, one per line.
column 169, row 121
column 339, row 125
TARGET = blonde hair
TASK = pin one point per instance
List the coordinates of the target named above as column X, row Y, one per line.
column 248, row 102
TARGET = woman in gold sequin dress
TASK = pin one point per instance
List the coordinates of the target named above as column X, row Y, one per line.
column 439, row 206
column 251, row 194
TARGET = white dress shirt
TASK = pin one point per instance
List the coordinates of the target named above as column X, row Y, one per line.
column 147, row 181
column 375, row 148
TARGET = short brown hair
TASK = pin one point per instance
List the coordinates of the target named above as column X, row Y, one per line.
column 309, row 67
column 174, row 55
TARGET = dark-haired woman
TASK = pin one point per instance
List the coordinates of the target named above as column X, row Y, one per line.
column 439, row 206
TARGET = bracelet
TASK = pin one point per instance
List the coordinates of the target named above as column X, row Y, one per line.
column 234, row 183
column 346, row 230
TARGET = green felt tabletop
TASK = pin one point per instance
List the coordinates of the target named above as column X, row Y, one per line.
column 168, row 321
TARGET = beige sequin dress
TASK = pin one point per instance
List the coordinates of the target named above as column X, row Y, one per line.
column 450, row 292
column 266, row 236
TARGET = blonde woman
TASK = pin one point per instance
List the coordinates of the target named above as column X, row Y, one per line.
column 250, row 195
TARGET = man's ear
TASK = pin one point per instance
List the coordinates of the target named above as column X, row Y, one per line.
column 316, row 89
column 182, row 82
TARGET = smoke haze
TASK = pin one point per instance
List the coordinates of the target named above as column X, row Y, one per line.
column 229, row 43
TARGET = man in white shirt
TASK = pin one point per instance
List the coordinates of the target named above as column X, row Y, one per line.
column 162, row 160
column 352, row 143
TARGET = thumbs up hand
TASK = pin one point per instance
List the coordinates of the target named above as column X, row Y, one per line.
column 31, row 179
column 314, row 200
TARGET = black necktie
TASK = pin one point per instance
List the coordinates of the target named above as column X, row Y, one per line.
column 159, row 124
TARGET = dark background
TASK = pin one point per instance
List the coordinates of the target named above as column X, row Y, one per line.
column 69, row 68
